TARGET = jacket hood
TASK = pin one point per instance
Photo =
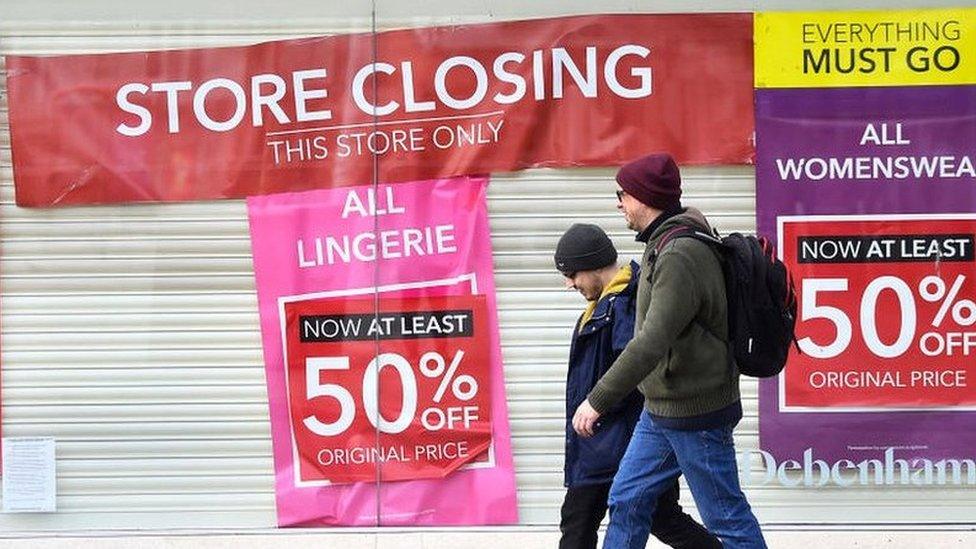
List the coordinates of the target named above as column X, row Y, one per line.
column 623, row 280
column 690, row 217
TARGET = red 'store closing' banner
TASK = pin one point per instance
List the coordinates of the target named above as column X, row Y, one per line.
column 315, row 113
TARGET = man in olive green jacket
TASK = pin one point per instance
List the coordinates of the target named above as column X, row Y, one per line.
column 679, row 360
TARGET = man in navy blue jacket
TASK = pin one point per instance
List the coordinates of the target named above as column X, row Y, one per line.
column 588, row 260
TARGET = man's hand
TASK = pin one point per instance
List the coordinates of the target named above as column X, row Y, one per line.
column 585, row 419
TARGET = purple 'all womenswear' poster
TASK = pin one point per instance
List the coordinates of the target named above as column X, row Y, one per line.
column 870, row 194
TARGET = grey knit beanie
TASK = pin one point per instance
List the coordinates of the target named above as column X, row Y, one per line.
column 584, row 247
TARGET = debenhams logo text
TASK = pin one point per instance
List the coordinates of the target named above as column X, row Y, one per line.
column 887, row 471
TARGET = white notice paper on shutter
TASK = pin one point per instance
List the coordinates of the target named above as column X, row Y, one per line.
column 28, row 475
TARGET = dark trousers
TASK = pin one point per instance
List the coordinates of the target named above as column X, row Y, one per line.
column 585, row 506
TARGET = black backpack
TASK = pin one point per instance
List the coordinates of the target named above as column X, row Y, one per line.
column 762, row 300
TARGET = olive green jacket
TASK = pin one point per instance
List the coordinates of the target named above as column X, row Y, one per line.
column 679, row 356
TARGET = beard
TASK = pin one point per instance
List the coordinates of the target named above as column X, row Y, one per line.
column 632, row 225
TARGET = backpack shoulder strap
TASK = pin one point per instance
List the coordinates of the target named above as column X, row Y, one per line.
column 689, row 232
column 676, row 232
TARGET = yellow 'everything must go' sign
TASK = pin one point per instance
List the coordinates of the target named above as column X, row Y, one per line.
column 865, row 48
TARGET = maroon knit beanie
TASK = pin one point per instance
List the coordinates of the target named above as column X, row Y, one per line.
column 653, row 179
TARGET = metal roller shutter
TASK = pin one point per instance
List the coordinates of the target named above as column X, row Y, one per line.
column 131, row 333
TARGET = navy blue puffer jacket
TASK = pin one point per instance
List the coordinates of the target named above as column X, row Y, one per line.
column 594, row 348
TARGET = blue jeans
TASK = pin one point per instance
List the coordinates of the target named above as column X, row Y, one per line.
column 654, row 458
